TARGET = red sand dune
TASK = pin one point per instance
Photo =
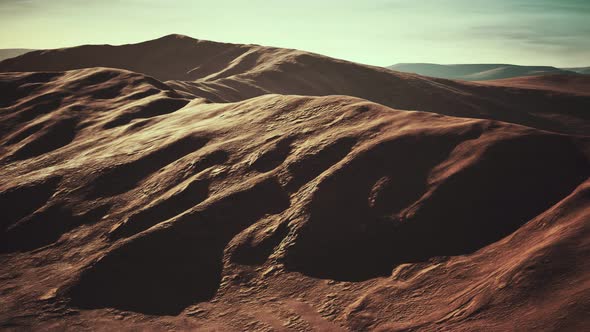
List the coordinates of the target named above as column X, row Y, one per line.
column 131, row 204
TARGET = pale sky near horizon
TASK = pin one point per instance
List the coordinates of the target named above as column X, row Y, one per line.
column 377, row 32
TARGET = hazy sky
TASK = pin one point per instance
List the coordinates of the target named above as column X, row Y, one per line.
column 378, row 32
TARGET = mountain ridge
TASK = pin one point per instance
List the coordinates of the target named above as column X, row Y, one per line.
column 224, row 72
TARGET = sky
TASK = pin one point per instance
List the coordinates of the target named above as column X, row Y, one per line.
column 376, row 32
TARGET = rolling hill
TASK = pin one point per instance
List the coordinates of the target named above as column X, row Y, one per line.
column 224, row 72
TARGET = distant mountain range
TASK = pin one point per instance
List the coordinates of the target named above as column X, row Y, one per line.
column 483, row 72
column 8, row 53
column 580, row 70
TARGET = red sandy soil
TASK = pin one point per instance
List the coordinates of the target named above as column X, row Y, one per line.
column 130, row 203
column 577, row 84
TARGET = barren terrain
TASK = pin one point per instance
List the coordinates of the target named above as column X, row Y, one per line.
column 185, row 184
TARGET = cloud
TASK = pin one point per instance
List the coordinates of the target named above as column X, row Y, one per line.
column 574, row 7
column 542, row 40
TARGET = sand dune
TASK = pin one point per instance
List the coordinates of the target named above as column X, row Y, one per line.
column 131, row 205
column 223, row 72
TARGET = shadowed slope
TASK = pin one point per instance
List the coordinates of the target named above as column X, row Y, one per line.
column 431, row 193
column 178, row 264
column 43, row 112
column 543, row 262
